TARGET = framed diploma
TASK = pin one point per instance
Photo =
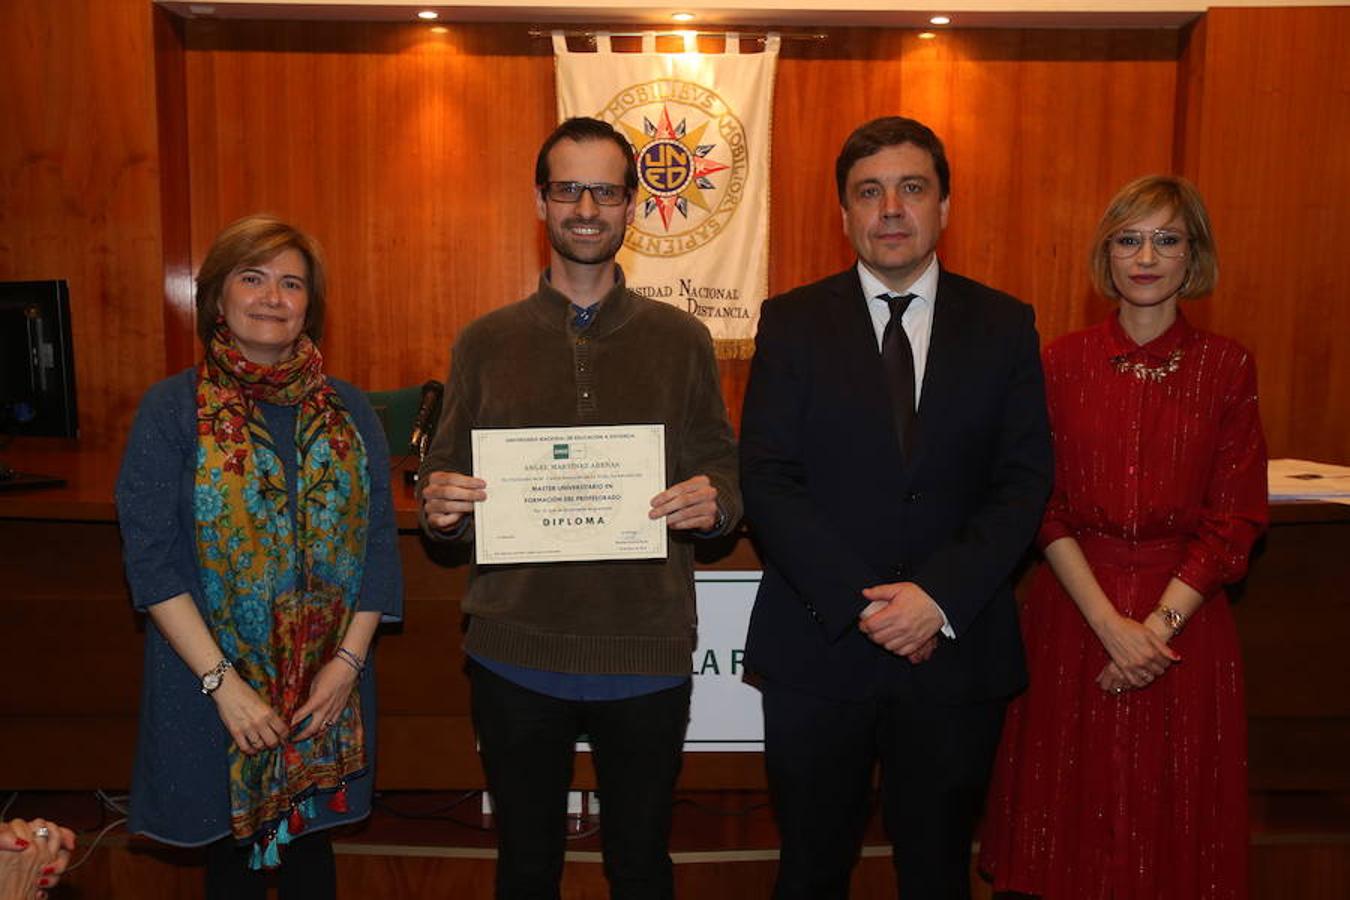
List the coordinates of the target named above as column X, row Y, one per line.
column 569, row 494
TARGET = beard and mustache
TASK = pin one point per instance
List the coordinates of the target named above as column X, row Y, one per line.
column 605, row 247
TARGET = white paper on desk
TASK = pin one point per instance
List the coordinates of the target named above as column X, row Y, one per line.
column 569, row 494
column 1301, row 479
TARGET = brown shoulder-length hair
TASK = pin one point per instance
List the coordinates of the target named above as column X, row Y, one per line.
column 247, row 242
column 1140, row 199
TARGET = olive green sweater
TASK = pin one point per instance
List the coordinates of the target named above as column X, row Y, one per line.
column 638, row 362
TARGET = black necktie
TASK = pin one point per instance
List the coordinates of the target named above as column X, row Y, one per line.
column 898, row 358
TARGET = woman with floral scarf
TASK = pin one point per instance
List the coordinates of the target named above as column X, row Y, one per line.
column 259, row 538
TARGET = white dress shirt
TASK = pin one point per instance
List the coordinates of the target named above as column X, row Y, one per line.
column 918, row 324
column 917, row 320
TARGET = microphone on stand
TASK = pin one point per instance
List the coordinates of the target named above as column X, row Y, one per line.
column 428, row 413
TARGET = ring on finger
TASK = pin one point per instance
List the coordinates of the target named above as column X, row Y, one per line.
column 42, row 831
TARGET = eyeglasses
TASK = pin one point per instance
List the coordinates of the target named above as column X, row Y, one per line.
column 570, row 192
column 1169, row 244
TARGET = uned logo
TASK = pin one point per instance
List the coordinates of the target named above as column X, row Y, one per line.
column 692, row 161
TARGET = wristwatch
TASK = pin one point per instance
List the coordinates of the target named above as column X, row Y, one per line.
column 212, row 679
column 1171, row 618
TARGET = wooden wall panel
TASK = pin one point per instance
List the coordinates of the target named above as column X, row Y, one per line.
column 180, row 344
column 1271, row 161
column 409, row 154
column 79, row 188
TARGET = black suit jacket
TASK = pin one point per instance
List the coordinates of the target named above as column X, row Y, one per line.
column 835, row 507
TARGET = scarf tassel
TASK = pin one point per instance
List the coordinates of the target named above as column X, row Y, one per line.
column 283, row 832
column 338, row 802
column 296, row 821
column 271, row 857
column 302, row 813
column 266, row 853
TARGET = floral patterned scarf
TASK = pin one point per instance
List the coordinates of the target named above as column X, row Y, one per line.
column 279, row 601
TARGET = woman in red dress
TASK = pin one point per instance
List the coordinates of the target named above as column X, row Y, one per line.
column 1123, row 769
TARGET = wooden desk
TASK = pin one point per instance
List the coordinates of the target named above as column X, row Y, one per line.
column 71, row 659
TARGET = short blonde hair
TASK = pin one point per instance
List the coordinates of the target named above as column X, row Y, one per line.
column 1140, row 199
column 248, row 242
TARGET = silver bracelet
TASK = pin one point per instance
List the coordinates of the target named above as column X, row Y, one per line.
column 350, row 659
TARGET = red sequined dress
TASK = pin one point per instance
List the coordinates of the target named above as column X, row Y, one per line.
column 1160, row 472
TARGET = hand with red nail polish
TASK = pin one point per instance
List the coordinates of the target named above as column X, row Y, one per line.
column 10, row 840
column 33, row 854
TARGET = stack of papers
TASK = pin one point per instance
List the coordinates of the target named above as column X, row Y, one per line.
column 1300, row 479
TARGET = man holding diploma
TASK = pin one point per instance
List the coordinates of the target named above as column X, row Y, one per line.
column 599, row 647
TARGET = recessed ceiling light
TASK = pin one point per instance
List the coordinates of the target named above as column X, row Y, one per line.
column 926, row 35
column 428, row 14
column 682, row 16
column 940, row 20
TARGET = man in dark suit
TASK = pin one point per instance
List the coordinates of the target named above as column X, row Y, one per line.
column 895, row 461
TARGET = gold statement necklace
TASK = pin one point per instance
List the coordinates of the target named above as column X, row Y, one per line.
column 1146, row 371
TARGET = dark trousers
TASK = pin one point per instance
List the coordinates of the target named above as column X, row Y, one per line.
column 307, row 871
column 935, row 765
column 527, row 742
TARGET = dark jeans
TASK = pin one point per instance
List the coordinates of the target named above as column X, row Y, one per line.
column 307, row 871
column 527, row 740
column 935, row 765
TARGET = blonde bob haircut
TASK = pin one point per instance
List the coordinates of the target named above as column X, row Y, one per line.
column 248, row 242
column 1142, row 198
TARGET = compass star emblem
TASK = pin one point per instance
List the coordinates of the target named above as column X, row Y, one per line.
column 692, row 159
column 673, row 167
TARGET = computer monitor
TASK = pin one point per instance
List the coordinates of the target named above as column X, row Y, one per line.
column 37, row 367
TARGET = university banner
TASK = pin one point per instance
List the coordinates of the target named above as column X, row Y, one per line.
column 700, row 125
